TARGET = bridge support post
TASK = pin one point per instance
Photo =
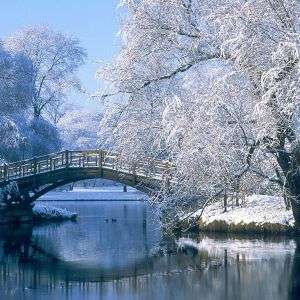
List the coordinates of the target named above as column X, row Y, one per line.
column 67, row 158
column 5, row 172
column 34, row 167
column 101, row 160
column 134, row 175
column 50, row 163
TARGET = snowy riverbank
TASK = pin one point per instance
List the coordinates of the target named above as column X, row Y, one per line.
column 95, row 194
column 46, row 212
column 258, row 213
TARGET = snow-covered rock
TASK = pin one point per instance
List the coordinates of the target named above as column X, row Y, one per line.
column 44, row 212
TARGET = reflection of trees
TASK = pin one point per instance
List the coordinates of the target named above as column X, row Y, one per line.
column 294, row 284
column 167, row 275
column 16, row 240
column 238, row 269
column 25, row 264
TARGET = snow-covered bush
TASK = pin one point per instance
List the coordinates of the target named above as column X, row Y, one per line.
column 44, row 212
column 10, row 193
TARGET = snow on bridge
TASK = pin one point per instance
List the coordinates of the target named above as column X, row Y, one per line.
column 39, row 175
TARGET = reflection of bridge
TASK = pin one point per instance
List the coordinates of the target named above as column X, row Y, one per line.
column 40, row 175
column 27, row 263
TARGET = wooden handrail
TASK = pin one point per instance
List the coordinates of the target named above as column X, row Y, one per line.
column 80, row 159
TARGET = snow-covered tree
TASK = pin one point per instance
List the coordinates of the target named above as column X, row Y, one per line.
column 16, row 88
column 79, row 128
column 214, row 85
column 37, row 68
column 55, row 58
column 16, row 92
column 43, row 136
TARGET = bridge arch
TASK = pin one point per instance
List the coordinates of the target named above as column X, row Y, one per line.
column 144, row 185
column 35, row 177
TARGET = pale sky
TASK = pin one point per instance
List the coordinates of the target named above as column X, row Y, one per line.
column 94, row 22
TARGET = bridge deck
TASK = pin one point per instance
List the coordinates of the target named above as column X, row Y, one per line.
column 89, row 159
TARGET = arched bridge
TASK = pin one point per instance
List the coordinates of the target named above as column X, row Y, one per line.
column 39, row 175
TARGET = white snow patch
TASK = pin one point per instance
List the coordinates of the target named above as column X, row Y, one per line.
column 113, row 193
column 183, row 243
column 249, row 249
column 259, row 209
column 52, row 213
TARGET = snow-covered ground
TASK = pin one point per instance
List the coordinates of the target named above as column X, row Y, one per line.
column 258, row 209
column 105, row 193
column 45, row 212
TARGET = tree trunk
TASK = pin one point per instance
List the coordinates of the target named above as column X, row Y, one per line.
column 237, row 192
column 289, row 163
column 36, row 112
column 286, row 201
column 225, row 202
column 293, row 194
column 294, row 199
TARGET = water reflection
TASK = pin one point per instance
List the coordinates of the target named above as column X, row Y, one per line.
column 294, row 278
column 117, row 251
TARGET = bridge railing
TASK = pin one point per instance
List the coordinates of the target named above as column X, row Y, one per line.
column 82, row 159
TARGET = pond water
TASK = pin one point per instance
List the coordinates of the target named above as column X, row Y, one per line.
column 116, row 250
